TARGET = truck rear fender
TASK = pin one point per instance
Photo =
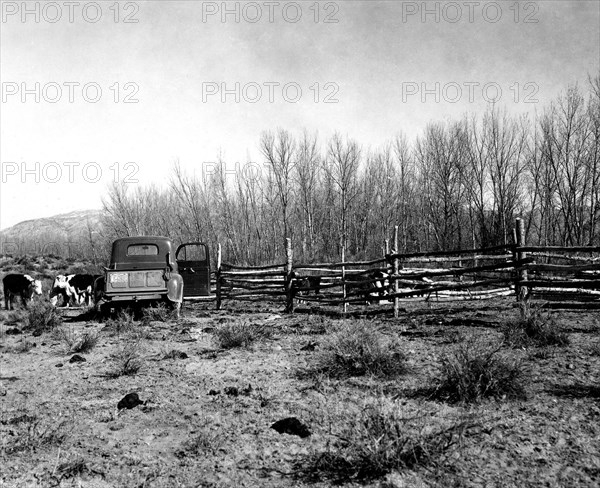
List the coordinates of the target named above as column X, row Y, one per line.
column 175, row 288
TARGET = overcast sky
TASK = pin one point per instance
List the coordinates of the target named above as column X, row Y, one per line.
column 368, row 69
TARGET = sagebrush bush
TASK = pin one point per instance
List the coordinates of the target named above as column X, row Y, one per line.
column 128, row 360
column 76, row 343
column 534, row 328
column 474, row 370
column 42, row 317
column 236, row 334
column 380, row 438
column 123, row 323
column 357, row 350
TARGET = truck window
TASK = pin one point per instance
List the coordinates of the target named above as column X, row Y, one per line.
column 142, row 250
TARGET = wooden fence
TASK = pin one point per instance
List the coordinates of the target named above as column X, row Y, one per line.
column 550, row 272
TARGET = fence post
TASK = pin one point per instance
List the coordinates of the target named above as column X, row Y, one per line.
column 522, row 291
column 395, row 273
column 344, row 279
column 289, row 275
column 218, row 276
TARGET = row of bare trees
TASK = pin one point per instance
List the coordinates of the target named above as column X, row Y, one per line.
column 460, row 184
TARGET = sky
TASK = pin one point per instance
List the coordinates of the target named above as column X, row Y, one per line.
column 105, row 91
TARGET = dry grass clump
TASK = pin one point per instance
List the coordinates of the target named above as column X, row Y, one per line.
column 201, row 444
column 475, row 370
column 237, row 334
column 379, row 439
column 158, row 313
column 128, row 360
column 534, row 329
column 76, row 343
column 42, row 317
column 122, row 323
column 355, row 349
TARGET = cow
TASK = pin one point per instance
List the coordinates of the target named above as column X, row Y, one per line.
column 306, row 282
column 21, row 285
column 61, row 287
column 372, row 286
column 76, row 287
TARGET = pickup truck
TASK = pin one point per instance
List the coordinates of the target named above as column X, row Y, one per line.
column 145, row 270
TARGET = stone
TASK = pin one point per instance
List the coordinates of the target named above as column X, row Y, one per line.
column 291, row 426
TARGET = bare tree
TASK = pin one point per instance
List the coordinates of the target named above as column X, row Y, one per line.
column 565, row 147
column 280, row 153
column 306, row 182
column 441, row 153
column 343, row 160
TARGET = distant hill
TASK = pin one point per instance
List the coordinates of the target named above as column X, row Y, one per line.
column 50, row 234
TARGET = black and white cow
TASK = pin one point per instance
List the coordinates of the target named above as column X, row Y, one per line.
column 20, row 285
column 76, row 288
column 306, row 282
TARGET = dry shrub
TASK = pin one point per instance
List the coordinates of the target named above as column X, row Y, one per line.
column 357, row 350
column 379, row 439
column 534, row 328
column 122, row 323
column 85, row 343
column 474, row 370
column 158, row 313
column 237, row 334
column 76, row 343
column 128, row 360
column 201, row 444
column 42, row 317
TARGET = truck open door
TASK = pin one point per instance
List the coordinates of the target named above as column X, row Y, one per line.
column 193, row 261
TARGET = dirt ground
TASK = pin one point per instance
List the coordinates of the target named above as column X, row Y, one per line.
column 60, row 425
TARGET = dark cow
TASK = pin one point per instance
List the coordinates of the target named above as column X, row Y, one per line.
column 20, row 285
column 306, row 282
column 76, row 287
column 372, row 286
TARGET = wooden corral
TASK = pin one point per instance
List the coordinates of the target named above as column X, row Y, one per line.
column 547, row 273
